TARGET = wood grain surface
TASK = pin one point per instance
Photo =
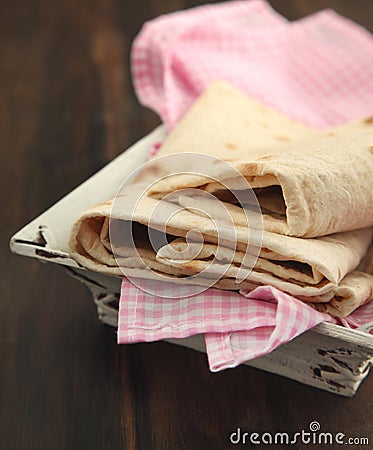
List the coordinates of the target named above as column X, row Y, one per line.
column 67, row 108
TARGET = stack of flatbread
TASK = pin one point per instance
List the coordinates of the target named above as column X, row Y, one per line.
column 314, row 189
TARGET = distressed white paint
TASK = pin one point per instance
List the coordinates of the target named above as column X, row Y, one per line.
column 328, row 357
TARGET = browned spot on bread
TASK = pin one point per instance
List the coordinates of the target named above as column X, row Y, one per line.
column 152, row 171
column 230, row 145
column 331, row 133
column 282, row 138
column 371, row 149
column 369, row 120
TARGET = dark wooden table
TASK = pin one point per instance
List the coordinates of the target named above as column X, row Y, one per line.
column 67, row 108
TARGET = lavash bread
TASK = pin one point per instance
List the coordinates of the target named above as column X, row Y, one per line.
column 322, row 181
column 225, row 123
column 308, row 183
column 313, row 270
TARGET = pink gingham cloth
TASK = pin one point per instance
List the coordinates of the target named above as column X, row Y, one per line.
column 146, row 317
column 236, row 327
column 318, row 70
column 287, row 318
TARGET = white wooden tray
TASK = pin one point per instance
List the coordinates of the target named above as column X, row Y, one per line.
column 328, row 357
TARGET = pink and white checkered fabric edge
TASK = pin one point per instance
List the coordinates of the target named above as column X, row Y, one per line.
column 228, row 350
column 260, row 320
column 237, row 327
column 318, row 70
column 289, row 318
column 147, row 317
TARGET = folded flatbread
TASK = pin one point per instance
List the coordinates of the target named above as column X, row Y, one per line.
column 308, row 183
column 318, row 270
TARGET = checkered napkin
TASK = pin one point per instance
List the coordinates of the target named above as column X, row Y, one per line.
column 237, row 327
column 281, row 319
column 318, row 70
